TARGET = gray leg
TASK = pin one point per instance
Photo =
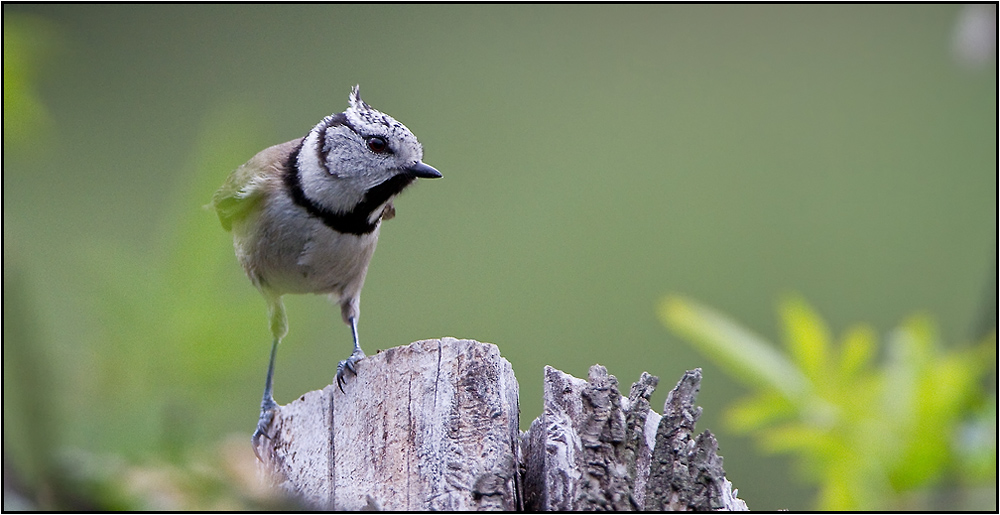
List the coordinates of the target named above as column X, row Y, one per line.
column 279, row 327
column 357, row 355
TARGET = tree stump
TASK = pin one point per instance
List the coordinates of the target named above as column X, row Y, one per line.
column 582, row 452
column 427, row 426
column 685, row 472
column 434, row 426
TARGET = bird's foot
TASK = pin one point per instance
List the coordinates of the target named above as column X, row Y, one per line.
column 267, row 410
column 348, row 365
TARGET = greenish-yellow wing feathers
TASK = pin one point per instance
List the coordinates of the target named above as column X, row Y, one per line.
column 246, row 187
column 241, row 192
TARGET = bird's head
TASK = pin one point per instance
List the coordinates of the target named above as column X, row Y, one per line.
column 361, row 155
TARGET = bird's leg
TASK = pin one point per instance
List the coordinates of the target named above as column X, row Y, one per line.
column 267, row 404
column 279, row 327
column 357, row 355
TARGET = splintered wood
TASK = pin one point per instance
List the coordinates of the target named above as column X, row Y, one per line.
column 427, row 426
column 434, row 426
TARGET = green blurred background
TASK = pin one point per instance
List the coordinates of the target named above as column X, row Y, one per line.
column 596, row 158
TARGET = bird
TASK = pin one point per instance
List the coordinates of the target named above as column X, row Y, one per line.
column 305, row 217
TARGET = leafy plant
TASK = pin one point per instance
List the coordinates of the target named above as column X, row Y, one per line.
column 866, row 430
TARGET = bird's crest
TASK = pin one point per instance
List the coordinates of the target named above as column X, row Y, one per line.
column 355, row 99
column 359, row 111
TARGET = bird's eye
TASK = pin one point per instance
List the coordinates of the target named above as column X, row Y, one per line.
column 378, row 145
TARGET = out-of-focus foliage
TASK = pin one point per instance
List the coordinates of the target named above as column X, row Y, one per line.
column 169, row 296
column 865, row 429
column 27, row 43
column 155, row 386
column 166, row 296
column 223, row 477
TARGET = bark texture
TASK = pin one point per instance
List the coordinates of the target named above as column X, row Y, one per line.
column 586, row 450
column 593, row 449
column 427, row 426
column 434, row 426
column 685, row 472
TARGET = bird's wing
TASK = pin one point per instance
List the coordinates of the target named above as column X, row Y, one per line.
column 246, row 186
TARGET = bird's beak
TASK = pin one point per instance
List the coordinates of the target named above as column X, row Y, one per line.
column 424, row 171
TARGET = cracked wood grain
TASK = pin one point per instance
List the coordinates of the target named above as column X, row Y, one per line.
column 427, row 426
column 593, row 449
column 434, row 426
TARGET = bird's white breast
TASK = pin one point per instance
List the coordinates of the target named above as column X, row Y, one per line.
column 285, row 250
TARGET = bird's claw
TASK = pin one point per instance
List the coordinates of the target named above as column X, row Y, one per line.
column 348, row 365
column 263, row 424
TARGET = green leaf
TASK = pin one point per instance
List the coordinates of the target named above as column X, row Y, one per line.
column 817, row 443
column 28, row 42
column 864, row 434
column 857, row 351
column 854, row 481
column 806, row 337
column 758, row 411
column 975, row 444
column 740, row 351
column 907, row 354
column 837, row 495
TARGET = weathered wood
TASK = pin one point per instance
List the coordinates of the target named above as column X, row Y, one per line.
column 593, row 449
column 588, row 448
column 428, row 426
column 686, row 471
column 433, row 425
